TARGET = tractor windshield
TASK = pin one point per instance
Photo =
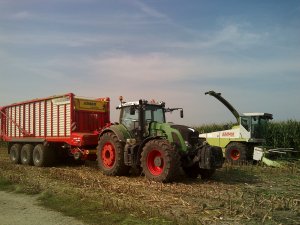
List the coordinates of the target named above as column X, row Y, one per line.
column 154, row 113
column 129, row 117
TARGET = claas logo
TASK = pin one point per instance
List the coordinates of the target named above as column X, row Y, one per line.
column 228, row 134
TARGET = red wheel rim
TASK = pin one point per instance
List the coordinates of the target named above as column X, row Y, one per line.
column 155, row 162
column 108, row 155
column 235, row 154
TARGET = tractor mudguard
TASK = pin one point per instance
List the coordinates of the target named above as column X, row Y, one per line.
column 121, row 133
column 210, row 157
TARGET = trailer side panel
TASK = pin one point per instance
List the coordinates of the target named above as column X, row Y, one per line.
column 49, row 117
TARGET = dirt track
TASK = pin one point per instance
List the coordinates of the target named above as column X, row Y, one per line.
column 24, row 210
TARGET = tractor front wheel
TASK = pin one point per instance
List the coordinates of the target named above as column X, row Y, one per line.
column 111, row 156
column 160, row 161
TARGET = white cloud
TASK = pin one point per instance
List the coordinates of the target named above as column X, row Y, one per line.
column 164, row 67
column 229, row 37
column 234, row 35
column 22, row 15
column 146, row 67
column 148, row 10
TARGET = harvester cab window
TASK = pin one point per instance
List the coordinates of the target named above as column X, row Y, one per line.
column 259, row 125
column 246, row 123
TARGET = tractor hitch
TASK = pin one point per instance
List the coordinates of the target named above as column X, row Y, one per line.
column 209, row 157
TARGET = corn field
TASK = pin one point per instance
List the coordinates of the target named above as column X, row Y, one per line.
column 284, row 134
column 280, row 134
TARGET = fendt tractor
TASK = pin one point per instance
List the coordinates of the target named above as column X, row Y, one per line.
column 41, row 131
column 142, row 138
column 238, row 143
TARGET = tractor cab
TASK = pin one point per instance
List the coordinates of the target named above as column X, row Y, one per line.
column 137, row 116
column 130, row 115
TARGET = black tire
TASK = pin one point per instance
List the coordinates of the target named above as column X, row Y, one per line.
column 15, row 153
column 42, row 156
column 160, row 161
column 26, row 154
column 236, row 152
column 111, row 156
column 206, row 174
column 192, row 172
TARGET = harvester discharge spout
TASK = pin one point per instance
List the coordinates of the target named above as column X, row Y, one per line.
column 225, row 102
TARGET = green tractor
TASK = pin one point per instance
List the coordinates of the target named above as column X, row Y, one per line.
column 142, row 139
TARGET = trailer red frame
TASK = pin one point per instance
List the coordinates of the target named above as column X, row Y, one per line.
column 64, row 121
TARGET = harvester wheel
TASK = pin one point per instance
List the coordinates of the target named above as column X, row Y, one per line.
column 42, row 156
column 236, row 152
column 111, row 156
column 160, row 161
column 15, row 153
column 206, row 174
column 26, row 154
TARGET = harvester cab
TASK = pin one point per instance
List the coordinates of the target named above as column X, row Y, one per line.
column 238, row 142
column 144, row 139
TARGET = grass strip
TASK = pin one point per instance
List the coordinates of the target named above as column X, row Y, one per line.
column 90, row 211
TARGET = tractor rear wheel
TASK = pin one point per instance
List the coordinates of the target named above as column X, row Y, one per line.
column 236, row 152
column 111, row 156
column 160, row 161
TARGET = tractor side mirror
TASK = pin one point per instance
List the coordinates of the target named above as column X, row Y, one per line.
column 181, row 113
column 132, row 110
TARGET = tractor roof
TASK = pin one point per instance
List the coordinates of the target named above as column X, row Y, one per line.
column 152, row 102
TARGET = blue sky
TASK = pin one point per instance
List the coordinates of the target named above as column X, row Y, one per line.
column 166, row 50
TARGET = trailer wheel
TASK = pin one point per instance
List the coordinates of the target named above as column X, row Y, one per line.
column 206, row 173
column 26, row 154
column 160, row 161
column 15, row 153
column 236, row 152
column 111, row 156
column 42, row 156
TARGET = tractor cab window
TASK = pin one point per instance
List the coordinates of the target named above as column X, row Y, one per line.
column 128, row 119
